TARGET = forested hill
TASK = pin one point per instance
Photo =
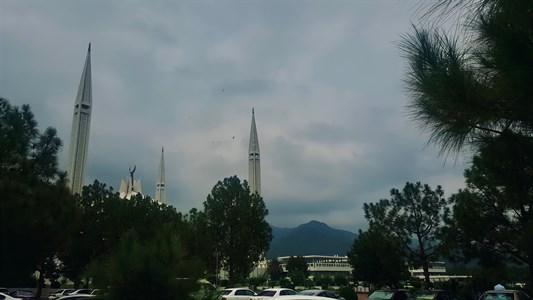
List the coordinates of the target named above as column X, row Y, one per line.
column 313, row 238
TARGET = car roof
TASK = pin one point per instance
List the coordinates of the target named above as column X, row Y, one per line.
column 237, row 288
column 77, row 296
column 300, row 297
column 278, row 289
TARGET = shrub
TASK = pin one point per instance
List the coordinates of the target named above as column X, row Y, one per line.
column 348, row 293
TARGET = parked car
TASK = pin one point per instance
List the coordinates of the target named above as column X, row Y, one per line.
column 60, row 293
column 237, row 294
column 434, row 295
column 4, row 296
column 81, row 292
column 77, row 297
column 97, row 292
column 320, row 293
column 504, row 295
column 275, row 292
column 389, row 295
column 22, row 294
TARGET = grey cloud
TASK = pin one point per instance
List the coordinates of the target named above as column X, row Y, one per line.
column 325, row 81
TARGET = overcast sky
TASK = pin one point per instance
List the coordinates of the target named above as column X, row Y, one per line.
column 324, row 77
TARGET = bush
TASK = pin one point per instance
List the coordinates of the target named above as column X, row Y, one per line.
column 286, row 283
column 159, row 266
column 348, row 293
column 55, row 284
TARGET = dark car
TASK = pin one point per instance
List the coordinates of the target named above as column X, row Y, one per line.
column 22, row 294
column 320, row 293
column 389, row 295
column 435, row 295
column 504, row 295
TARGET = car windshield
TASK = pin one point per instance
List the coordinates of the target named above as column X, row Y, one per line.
column 226, row 292
column 424, row 296
column 307, row 293
column 381, row 295
column 267, row 293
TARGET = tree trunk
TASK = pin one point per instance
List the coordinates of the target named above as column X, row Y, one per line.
column 40, row 284
column 425, row 266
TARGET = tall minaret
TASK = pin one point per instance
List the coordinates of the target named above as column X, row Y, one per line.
column 81, row 123
column 160, row 185
column 254, row 168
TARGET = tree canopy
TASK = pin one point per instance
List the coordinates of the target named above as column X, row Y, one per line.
column 414, row 216
column 378, row 258
column 105, row 218
column 236, row 227
column 297, row 269
column 37, row 209
column 141, row 268
column 465, row 89
column 475, row 90
column 493, row 216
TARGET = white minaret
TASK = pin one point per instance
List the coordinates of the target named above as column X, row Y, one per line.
column 160, row 185
column 81, row 123
column 254, row 168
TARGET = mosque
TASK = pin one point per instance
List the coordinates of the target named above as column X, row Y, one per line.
column 79, row 145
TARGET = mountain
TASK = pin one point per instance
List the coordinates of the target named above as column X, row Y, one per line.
column 313, row 238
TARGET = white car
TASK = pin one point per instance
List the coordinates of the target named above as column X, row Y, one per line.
column 81, row 292
column 237, row 294
column 320, row 293
column 275, row 292
column 77, row 297
column 5, row 296
column 60, row 293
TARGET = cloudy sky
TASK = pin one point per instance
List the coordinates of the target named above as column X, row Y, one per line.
column 324, row 77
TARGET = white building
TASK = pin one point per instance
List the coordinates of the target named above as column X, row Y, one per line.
column 324, row 265
column 437, row 272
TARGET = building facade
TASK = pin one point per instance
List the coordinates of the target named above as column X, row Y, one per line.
column 322, row 265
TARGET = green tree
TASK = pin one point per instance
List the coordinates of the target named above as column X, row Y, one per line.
column 274, row 270
column 378, row 258
column 297, row 269
column 139, row 268
column 340, row 280
column 323, row 281
column 465, row 89
column 414, row 216
column 348, row 293
column 475, row 90
column 297, row 263
column 105, row 218
column 493, row 219
column 33, row 189
column 236, row 227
